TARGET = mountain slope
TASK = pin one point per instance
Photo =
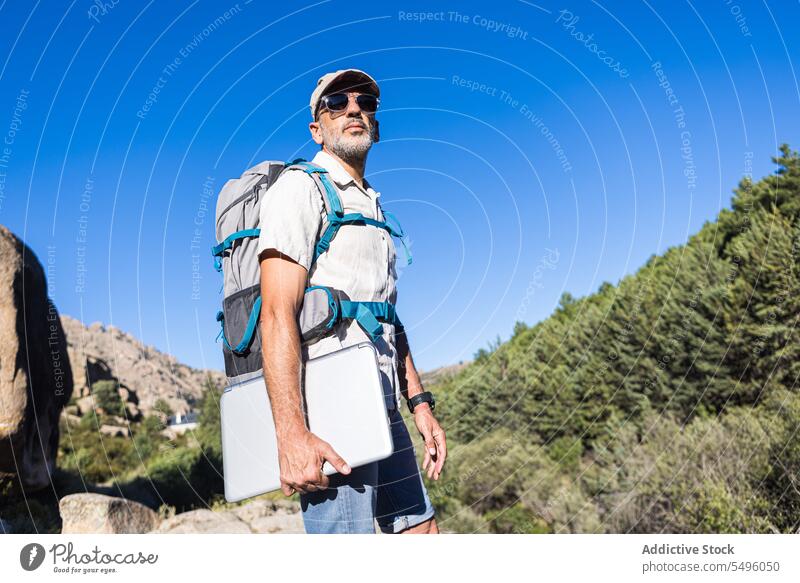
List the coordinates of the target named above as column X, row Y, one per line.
column 705, row 335
column 98, row 352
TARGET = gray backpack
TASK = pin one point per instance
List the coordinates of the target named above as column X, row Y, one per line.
column 236, row 256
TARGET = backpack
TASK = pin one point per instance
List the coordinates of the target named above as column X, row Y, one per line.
column 236, row 257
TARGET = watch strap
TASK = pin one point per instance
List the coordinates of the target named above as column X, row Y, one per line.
column 424, row 397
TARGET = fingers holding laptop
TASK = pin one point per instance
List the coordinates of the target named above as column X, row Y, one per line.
column 301, row 460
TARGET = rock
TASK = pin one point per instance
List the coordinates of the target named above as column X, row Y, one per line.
column 85, row 404
column 271, row 516
column 114, row 430
column 203, row 522
column 97, row 513
column 133, row 411
column 72, row 410
column 143, row 374
column 35, row 377
column 281, row 522
column 74, row 419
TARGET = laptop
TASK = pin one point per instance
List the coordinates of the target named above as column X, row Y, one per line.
column 344, row 405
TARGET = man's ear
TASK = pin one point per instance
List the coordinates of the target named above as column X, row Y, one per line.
column 316, row 132
column 377, row 137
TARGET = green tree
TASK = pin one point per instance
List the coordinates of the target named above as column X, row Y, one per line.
column 106, row 397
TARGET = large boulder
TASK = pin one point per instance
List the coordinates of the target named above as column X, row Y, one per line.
column 87, row 513
column 203, row 522
column 35, row 374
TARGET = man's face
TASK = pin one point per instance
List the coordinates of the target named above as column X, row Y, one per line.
column 349, row 134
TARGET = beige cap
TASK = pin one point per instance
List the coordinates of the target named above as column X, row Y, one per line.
column 358, row 77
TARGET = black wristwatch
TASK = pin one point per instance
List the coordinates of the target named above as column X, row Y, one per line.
column 425, row 397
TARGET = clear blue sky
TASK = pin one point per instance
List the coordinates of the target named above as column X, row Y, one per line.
column 527, row 148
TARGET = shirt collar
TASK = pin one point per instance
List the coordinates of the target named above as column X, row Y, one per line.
column 339, row 175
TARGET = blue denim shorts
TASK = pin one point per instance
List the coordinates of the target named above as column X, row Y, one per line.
column 389, row 491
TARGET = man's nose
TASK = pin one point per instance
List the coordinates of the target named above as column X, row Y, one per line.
column 353, row 109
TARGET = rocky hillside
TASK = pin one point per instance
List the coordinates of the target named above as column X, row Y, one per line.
column 99, row 352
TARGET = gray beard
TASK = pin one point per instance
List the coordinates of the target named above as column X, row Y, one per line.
column 352, row 150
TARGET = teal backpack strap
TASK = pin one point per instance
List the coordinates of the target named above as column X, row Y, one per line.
column 369, row 316
column 397, row 232
column 335, row 211
column 219, row 250
column 333, row 204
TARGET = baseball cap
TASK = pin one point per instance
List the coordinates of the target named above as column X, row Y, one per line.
column 358, row 78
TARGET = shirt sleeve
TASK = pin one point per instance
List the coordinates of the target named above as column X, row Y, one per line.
column 290, row 217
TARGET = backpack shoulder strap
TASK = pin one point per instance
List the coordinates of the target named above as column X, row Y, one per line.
column 335, row 211
column 333, row 203
column 330, row 196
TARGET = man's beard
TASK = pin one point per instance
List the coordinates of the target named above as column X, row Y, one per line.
column 349, row 148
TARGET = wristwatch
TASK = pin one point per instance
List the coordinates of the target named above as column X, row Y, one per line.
column 425, row 397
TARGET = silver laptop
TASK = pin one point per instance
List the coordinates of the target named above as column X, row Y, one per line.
column 344, row 405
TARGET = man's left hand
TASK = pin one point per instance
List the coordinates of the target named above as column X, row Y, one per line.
column 433, row 436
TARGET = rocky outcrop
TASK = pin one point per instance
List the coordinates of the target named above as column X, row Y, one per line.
column 203, row 522
column 35, row 373
column 142, row 373
column 271, row 516
column 258, row 516
column 96, row 513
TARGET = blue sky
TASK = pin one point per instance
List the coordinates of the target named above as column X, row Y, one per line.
column 528, row 149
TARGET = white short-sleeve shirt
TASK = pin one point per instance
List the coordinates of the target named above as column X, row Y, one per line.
column 360, row 260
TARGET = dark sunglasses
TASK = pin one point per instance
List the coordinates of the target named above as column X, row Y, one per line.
column 336, row 102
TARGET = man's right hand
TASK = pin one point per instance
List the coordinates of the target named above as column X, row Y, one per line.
column 301, row 456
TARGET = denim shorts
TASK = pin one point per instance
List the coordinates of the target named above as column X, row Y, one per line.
column 388, row 491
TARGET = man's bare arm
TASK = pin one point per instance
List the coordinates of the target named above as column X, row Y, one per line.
column 429, row 428
column 301, row 453
column 282, row 287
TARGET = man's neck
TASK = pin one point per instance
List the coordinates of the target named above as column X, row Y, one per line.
column 354, row 168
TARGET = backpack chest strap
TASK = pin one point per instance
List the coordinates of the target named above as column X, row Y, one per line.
column 335, row 222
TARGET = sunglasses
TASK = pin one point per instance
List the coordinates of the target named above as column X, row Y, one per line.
column 338, row 102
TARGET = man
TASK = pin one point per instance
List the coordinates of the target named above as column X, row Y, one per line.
column 361, row 263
